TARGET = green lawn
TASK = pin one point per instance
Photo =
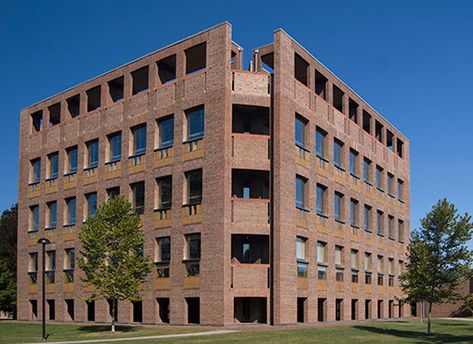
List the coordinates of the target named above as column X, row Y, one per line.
column 445, row 331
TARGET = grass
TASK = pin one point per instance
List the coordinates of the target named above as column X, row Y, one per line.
column 444, row 331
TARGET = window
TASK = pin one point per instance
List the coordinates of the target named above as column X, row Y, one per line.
column 138, row 191
column 367, row 224
column 92, row 153
column 163, row 256
column 164, row 193
column 301, row 257
column 37, row 121
column 400, row 190
column 391, row 272
column 113, row 192
column 73, row 105
column 300, row 191
column 115, row 89
column 139, row 140
column 338, row 98
column 167, row 69
column 353, row 110
column 33, row 267
column 165, row 132
column 91, row 199
column 391, row 227
column 50, row 266
column 70, row 211
column 53, row 159
column 400, row 146
column 353, row 162
column 366, row 122
column 93, row 98
column 354, row 212
column 380, row 269
column 338, row 206
column 390, row 185
column 338, row 263
column 35, row 171
column 34, row 218
column 301, row 67
column 367, row 170
column 196, row 58
column 338, row 153
column 195, row 123
column 193, row 187
column 320, row 85
column 192, row 254
column 321, row 260
column 320, row 139
column 71, row 160
column 379, row 131
column 380, row 222
column 321, row 199
column 69, row 264
column 389, row 140
column 354, row 265
column 379, row 178
column 51, row 215
column 367, row 267
column 115, row 146
column 301, row 125
column 400, row 227
column 54, row 114
column 140, row 80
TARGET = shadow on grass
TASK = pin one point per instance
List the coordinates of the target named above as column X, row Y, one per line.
column 107, row 328
column 433, row 338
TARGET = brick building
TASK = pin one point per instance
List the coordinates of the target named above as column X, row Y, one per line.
column 270, row 195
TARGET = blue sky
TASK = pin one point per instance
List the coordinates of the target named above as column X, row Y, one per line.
column 411, row 60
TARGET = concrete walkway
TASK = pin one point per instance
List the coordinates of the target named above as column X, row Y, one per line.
column 123, row 339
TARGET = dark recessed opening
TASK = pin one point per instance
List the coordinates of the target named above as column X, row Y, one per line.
column 140, row 80
column 54, row 114
column 400, row 146
column 338, row 98
column 196, row 58
column 267, row 62
column 167, row 69
column 90, row 310
column 93, row 98
column 163, row 312
column 115, row 88
column 249, row 119
column 353, row 110
column 137, row 311
column 320, row 85
column 73, row 105
column 390, row 140
column 37, row 120
column 366, row 122
column 193, row 310
column 301, row 67
column 379, row 131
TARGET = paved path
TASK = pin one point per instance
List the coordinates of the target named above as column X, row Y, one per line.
column 122, row 339
column 461, row 319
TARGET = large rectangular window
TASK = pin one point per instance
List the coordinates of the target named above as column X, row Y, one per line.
column 400, row 228
column 367, row 170
column 367, row 222
column 391, row 227
column 338, row 206
column 353, row 162
column 163, row 256
column 192, row 254
column 92, row 153
column 164, row 193
column 400, row 190
column 91, row 199
column 69, row 264
column 379, row 178
column 193, row 187
column 165, row 135
column 33, row 267
column 338, row 263
column 354, row 265
column 115, row 147
column 71, row 160
column 195, row 123
column 321, row 199
column 338, row 153
column 300, row 191
column 70, row 211
column 354, row 212
column 35, row 171
column 51, row 215
column 34, row 218
column 138, row 192
column 320, row 143
column 300, row 131
column 50, row 266
column 390, row 186
column 139, row 140
column 53, row 159
column 301, row 257
column 380, row 222
column 321, row 260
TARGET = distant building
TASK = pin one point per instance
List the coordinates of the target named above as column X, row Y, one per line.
column 271, row 195
column 452, row 309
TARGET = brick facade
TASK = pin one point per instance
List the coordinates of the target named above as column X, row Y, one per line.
column 249, row 163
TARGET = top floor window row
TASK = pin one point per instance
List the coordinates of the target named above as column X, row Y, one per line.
column 345, row 104
column 114, row 90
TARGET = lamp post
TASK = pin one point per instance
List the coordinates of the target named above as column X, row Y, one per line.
column 43, row 242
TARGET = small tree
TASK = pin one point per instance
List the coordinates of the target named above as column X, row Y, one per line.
column 112, row 254
column 438, row 258
column 8, row 238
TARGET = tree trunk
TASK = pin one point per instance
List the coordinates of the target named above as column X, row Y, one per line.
column 113, row 315
column 429, row 316
column 422, row 312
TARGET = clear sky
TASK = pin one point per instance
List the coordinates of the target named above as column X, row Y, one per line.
column 411, row 60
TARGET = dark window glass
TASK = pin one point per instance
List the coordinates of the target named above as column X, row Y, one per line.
column 91, row 204
column 72, row 158
column 138, row 197
column 300, row 192
column 35, row 214
column 194, row 247
column 115, row 146
column 320, row 198
column 300, row 131
column 71, row 208
column 166, row 132
column 338, row 206
column 93, row 153
column 337, row 153
column 165, row 192
column 194, row 180
column 139, row 140
column 195, row 123
column 36, row 165
column 52, row 207
column 165, row 249
column 353, row 157
column 320, row 142
column 54, row 165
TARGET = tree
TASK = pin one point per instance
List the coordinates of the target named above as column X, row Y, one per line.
column 8, row 237
column 438, row 259
column 112, row 254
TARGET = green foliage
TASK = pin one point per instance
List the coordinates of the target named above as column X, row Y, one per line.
column 467, row 306
column 8, row 237
column 439, row 259
column 112, row 252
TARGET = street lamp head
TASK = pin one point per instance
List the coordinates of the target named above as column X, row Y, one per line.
column 44, row 241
